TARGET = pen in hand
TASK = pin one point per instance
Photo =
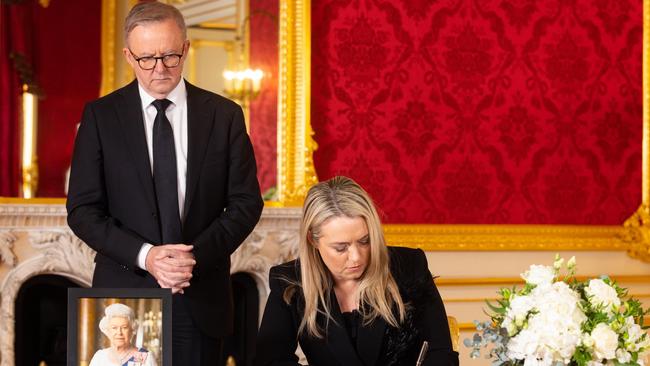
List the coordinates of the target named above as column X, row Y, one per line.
column 423, row 353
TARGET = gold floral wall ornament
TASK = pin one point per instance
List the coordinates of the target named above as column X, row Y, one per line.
column 44, row 3
column 637, row 234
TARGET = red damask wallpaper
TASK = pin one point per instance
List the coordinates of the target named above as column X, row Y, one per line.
column 264, row 109
column 69, row 72
column 466, row 111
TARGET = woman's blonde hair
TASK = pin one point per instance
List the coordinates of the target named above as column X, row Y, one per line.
column 378, row 292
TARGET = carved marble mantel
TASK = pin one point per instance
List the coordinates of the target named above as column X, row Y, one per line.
column 35, row 240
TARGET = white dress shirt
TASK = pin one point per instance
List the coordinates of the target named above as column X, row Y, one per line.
column 177, row 115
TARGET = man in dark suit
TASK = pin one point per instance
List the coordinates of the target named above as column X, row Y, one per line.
column 163, row 185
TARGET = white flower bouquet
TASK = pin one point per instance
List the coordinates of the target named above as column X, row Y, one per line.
column 558, row 320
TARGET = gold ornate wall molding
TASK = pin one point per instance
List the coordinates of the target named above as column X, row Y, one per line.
column 508, row 237
column 518, row 281
column 638, row 226
column 108, row 45
column 296, row 171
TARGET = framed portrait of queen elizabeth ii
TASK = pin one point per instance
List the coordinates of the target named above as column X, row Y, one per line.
column 119, row 327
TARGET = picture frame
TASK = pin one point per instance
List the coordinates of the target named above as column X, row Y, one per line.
column 150, row 329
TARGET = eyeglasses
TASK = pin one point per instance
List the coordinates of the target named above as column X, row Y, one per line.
column 149, row 62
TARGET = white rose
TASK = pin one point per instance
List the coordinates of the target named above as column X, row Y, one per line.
column 623, row 356
column 519, row 308
column 634, row 342
column 534, row 361
column 587, row 341
column 520, row 305
column 605, row 342
column 553, row 331
column 517, row 346
column 594, row 363
column 602, row 294
column 634, row 333
column 539, row 275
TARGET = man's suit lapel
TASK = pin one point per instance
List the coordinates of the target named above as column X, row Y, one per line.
column 338, row 339
column 199, row 126
column 129, row 110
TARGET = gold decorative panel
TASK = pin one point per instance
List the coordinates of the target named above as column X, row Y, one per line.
column 296, row 171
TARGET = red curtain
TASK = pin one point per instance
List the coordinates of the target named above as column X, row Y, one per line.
column 264, row 109
column 69, row 73
column 466, row 111
column 14, row 39
column 64, row 56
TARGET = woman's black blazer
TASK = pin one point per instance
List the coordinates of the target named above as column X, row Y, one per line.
column 377, row 343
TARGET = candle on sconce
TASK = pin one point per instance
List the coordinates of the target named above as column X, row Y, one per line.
column 228, row 76
column 257, row 80
column 243, row 85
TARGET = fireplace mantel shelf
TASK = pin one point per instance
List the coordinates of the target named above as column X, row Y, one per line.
column 35, row 240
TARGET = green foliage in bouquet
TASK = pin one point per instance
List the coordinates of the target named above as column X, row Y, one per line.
column 557, row 320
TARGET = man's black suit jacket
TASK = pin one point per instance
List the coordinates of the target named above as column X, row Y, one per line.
column 377, row 343
column 112, row 205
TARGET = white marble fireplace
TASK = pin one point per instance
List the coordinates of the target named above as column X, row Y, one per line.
column 35, row 240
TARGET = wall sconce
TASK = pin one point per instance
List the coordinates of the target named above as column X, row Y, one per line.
column 243, row 85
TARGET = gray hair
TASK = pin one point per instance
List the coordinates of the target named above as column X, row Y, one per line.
column 146, row 12
column 117, row 310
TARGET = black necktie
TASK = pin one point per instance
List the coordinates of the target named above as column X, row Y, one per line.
column 165, row 175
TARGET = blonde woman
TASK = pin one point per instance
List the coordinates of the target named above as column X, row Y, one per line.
column 349, row 299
